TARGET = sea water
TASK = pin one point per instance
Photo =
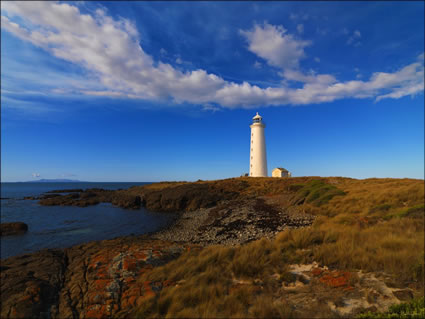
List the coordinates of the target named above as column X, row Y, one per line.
column 64, row 226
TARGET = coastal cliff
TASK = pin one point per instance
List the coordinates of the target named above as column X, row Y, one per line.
column 248, row 247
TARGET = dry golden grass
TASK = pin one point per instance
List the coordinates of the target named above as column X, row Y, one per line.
column 378, row 225
column 158, row 186
column 395, row 246
column 245, row 186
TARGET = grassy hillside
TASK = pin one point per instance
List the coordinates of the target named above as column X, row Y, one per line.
column 373, row 225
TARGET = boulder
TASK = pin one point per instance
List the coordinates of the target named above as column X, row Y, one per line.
column 15, row 228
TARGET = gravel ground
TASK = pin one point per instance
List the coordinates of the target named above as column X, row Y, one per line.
column 232, row 223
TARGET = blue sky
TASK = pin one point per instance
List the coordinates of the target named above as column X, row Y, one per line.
column 151, row 91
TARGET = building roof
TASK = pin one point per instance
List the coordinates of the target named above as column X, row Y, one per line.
column 281, row 169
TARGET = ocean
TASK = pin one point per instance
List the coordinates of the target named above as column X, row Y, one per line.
column 64, row 226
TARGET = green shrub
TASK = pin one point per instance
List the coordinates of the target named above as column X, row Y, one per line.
column 295, row 187
column 410, row 310
column 317, row 192
column 380, row 208
column 411, row 212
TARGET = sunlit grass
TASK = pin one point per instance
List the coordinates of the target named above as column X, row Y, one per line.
column 373, row 225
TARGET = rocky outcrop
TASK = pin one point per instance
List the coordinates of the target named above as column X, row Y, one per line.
column 233, row 222
column 94, row 280
column 89, row 197
column 186, row 197
column 72, row 190
column 335, row 292
column 15, row 228
column 30, row 284
column 104, row 280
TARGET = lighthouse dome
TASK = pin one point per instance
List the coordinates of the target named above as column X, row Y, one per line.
column 257, row 116
column 257, row 119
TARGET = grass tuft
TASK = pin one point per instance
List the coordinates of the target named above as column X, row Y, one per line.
column 414, row 309
column 317, row 192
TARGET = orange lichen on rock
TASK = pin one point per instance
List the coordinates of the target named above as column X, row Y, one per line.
column 147, row 289
column 316, row 271
column 102, row 280
column 101, row 284
column 336, row 279
column 349, row 288
column 95, row 314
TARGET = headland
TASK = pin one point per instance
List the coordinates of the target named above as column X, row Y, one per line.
column 247, row 247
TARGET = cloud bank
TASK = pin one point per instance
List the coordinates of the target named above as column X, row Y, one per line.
column 109, row 49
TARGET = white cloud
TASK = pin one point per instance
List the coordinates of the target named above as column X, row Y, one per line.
column 211, row 108
column 258, row 65
column 275, row 45
column 109, row 49
column 179, row 60
column 317, row 59
column 322, row 31
column 300, row 28
column 35, row 175
column 293, row 16
column 354, row 38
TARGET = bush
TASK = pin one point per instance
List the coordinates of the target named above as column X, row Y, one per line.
column 317, row 192
column 412, row 310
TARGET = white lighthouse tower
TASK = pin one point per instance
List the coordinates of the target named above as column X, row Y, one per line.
column 258, row 158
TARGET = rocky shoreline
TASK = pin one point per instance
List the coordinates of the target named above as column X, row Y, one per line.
column 203, row 216
column 98, row 277
column 101, row 279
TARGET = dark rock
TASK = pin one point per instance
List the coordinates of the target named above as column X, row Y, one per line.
column 127, row 201
column 31, row 283
column 15, row 228
column 74, row 199
column 49, row 196
column 86, row 195
column 403, row 294
column 73, row 190
column 31, row 198
column 78, row 282
column 186, row 197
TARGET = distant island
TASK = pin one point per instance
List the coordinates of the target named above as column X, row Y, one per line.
column 57, row 180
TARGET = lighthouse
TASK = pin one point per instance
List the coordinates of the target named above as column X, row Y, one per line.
column 258, row 158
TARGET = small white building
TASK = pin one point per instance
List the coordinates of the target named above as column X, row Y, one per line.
column 280, row 172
